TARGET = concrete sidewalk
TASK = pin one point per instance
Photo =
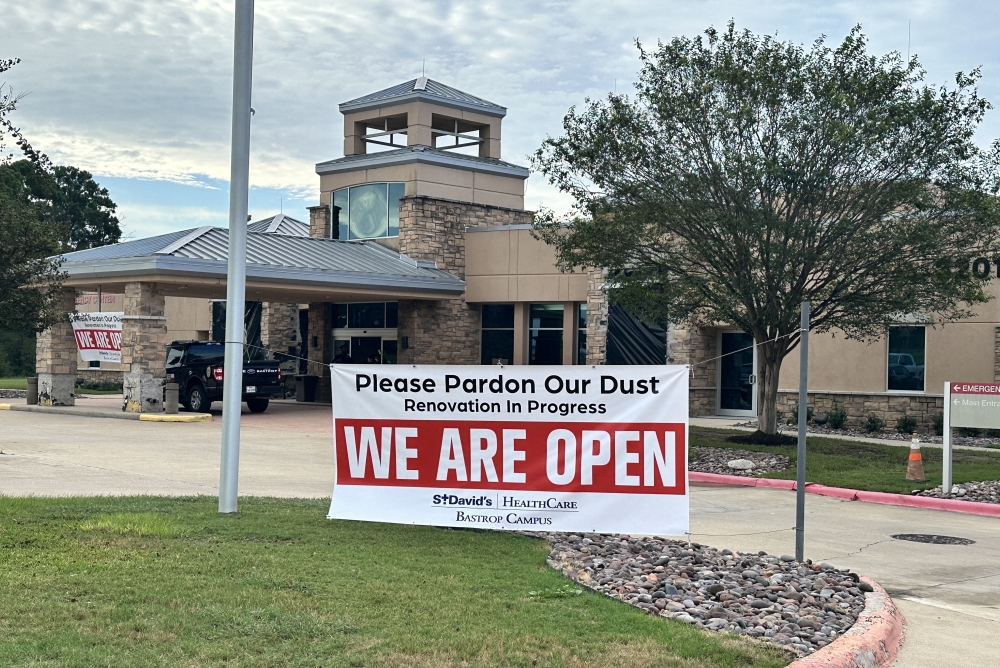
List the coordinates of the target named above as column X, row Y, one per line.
column 950, row 594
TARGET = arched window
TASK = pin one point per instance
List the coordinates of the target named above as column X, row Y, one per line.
column 367, row 211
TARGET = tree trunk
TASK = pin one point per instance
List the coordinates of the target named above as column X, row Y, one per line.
column 770, row 356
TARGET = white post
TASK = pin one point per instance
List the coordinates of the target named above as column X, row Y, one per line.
column 800, row 477
column 946, row 441
column 239, row 185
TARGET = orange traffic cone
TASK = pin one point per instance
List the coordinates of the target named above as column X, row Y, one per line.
column 915, row 467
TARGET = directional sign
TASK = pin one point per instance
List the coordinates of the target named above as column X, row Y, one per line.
column 975, row 405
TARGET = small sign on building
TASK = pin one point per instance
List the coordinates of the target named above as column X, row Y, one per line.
column 98, row 335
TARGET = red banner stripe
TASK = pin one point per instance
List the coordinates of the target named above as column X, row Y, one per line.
column 603, row 457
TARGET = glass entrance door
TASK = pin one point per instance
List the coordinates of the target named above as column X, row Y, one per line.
column 736, row 380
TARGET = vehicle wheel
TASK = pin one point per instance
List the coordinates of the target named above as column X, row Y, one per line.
column 257, row 405
column 197, row 401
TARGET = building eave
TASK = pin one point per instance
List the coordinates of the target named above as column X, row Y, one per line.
column 391, row 158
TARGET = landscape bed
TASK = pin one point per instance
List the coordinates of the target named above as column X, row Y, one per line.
column 168, row 581
column 873, row 467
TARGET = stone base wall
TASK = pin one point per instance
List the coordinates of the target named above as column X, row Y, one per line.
column 433, row 230
column 889, row 407
column 88, row 375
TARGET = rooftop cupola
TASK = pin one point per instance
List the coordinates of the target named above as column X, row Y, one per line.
column 422, row 112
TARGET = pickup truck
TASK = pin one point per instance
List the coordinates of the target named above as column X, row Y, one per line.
column 198, row 368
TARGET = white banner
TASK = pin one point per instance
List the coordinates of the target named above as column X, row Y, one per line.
column 98, row 335
column 557, row 448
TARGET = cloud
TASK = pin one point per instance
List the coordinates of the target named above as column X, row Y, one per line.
column 142, row 90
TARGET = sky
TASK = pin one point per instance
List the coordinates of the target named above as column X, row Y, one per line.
column 139, row 93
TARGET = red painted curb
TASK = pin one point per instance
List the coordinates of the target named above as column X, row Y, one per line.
column 950, row 505
column 743, row 481
column 874, row 640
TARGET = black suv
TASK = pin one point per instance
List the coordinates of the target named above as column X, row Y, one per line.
column 197, row 367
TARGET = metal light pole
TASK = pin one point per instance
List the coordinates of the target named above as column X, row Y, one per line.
column 800, row 486
column 239, row 184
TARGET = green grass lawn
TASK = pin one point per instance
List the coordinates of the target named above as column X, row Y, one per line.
column 13, row 383
column 151, row 581
column 867, row 466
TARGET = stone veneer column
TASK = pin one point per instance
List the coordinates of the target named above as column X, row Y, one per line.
column 319, row 221
column 56, row 355
column 690, row 344
column 597, row 317
column 144, row 353
column 279, row 332
column 430, row 229
column 320, row 354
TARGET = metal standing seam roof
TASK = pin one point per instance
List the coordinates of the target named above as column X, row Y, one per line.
column 427, row 154
column 423, row 88
column 303, row 260
column 280, row 224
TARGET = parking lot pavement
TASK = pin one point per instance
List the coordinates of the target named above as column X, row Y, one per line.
column 950, row 594
column 286, row 451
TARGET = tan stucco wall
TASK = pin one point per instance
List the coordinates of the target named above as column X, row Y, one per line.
column 461, row 185
column 512, row 266
column 961, row 350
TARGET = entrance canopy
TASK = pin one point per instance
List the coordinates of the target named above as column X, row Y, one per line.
column 280, row 268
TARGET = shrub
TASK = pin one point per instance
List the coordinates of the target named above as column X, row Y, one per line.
column 99, row 385
column 971, row 432
column 836, row 417
column 794, row 418
column 873, row 423
column 906, row 424
column 937, row 423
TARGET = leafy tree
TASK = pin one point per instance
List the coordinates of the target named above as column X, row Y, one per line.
column 747, row 175
column 67, row 198
column 29, row 278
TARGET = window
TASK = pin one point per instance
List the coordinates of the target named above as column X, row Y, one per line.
column 367, row 211
column 353, row 343
column 545, row 334
column 497, row 346
column 581, row 334
column 174, row 356
column 906, row 359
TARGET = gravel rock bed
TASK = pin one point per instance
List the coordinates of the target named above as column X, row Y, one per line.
column 717, row 460
column 984, row 492
column 13, row 394
column 970, row 441
column 801, row 607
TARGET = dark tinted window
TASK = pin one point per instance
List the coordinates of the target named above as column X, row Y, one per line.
column 174, row 356
column 203, row 352
column 546, row 316
column 391, row 315
column 366, row 316
column 498, row 316
column 340, row 315
column 906, row 359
